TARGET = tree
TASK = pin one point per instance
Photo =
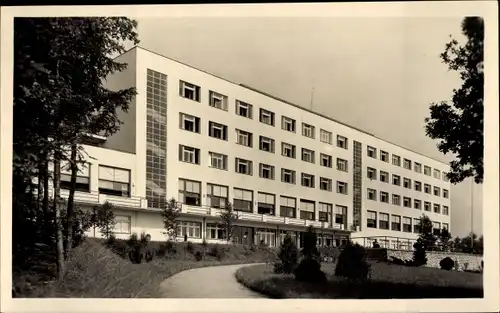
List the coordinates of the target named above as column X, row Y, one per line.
column 445, row 239
column 229, row 219
column 171, row 213
column 459, row 126
column 426, row 235
column 59, row 96
column 288, row 255
column 105, row 219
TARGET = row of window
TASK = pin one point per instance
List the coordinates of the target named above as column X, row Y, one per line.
column 407, row 163
column 220, row 101
column 243, row 200
column 406, row 224
column 407, row 202
column 407, row 183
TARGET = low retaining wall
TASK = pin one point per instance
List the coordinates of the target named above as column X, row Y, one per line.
column 434, row 257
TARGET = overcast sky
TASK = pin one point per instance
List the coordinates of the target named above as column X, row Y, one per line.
column 377, row 74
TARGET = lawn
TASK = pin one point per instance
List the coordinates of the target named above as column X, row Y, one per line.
column 95, row 271
column 388, row 281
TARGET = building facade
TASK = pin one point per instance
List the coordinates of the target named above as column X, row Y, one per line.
column 205, row 141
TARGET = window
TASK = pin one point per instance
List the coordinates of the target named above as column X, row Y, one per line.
column 372, row 194
column 427, row 206
column 407, row 183
column 371, row 219
column 396, row 160
column 266, row 117
column 243, row 200
column 267, row 236
column 342, row 187
column 326, row 160
column 407, row 164
column 407, row 202
column 189, row 154
column 189, row 91
column 307, row 210
column 308, row 130
column 189, row 192
column 407, row 224
column 244, row 138
column 437, row 191
column 384, row 177
column 445, row 177
column 287, row 176
column 372, row 152
column 218, row 160
column 307, row 180
column 396, row 180
column 244, row 109
column 342, row 142
column 436, row 228
column 216, row 231
column 396, row 222
column 217, row 195
column 243, row 166
column 325, row 136
column 189, row 229
column 445, row 226
column 324, row 210
column 427, row 188
column 265, row 203
column 114, row 181
column 383, row 223
column 445, row 193
column 384, row 197
column 427, row 170
column 417, row 204
column 417, row 167
column 416, row 225
column 325, row 183
column 384, row 156
column 288, row 150
column 307, row 155
column 437, row 173
column 372, row 173
column 266, row 144
column 288, row 207
column 122, row 224
column 446, row 210
column 418, row 186
column 189, row 122
column 396, row 199
column 217, row 130
column 437, row 208
column 266, row 171
column 217, row 100
column 340, row 215
column 288, row 124
column 82, row 177
column 342, row 165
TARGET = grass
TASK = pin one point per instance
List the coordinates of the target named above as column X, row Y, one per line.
column 96, row 271
column 388, row 281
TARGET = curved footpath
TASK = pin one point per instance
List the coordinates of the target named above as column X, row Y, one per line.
column 207, row 282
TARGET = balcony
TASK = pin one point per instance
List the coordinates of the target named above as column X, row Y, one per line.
column 94, row 198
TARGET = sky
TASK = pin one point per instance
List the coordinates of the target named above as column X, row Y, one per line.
column 377, row 74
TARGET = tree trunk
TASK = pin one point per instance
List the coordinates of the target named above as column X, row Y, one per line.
column 58, row 203
column 69, row 210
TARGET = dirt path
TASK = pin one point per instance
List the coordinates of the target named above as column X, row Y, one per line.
column 207, row 282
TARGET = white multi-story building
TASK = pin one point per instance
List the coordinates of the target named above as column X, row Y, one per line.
column 206, row 141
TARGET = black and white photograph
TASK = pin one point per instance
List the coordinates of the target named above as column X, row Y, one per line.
column 340, row 151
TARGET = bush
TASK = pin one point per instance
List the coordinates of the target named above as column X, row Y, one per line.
column 465, row 266
column 170, row 247
column 216, row 252
column 278, row 268
column 144, row 238
column 288, row 255
column 352, row 262
column 397, row 261
column 119, row 247
column 419, row 254
column 446, row 264
column 309, row 270
column 190, row 247
column 198, row 256
column 204, row 243
column 162, row 250
column 133, row 240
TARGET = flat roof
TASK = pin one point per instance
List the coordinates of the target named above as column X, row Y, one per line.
column 287, row 102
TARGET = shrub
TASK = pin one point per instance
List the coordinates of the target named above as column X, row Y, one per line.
column 288, row 255
column 253, row 248
column 456, row 266
column 216, row 252
column 162, row 250
column 141, row 252
column 419, row 254
column 144, row 238
column 397, row 261
column 465, row 266
column 352, row 262
column 198, row 256
column 278, row 268
column 190, row 247
column 204, row 243
column 119, row 247
column 133, row 240
column 446, row 264
column 170, row 247
column 309, row 270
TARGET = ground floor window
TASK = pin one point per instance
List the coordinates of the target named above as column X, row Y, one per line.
column 266, row 236
column 191, row 229
column 283, row 233
column 243, row 235
column 325, row 240
column 215, row 231
column 122, row 224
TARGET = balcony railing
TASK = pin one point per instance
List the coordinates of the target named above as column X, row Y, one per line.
column 256, row 217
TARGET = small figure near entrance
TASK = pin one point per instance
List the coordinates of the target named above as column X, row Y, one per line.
column 375, row 244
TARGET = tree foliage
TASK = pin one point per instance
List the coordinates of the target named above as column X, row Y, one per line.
column 170, row 214
column 105, row 219
column 459, row 126
column 229, row 218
